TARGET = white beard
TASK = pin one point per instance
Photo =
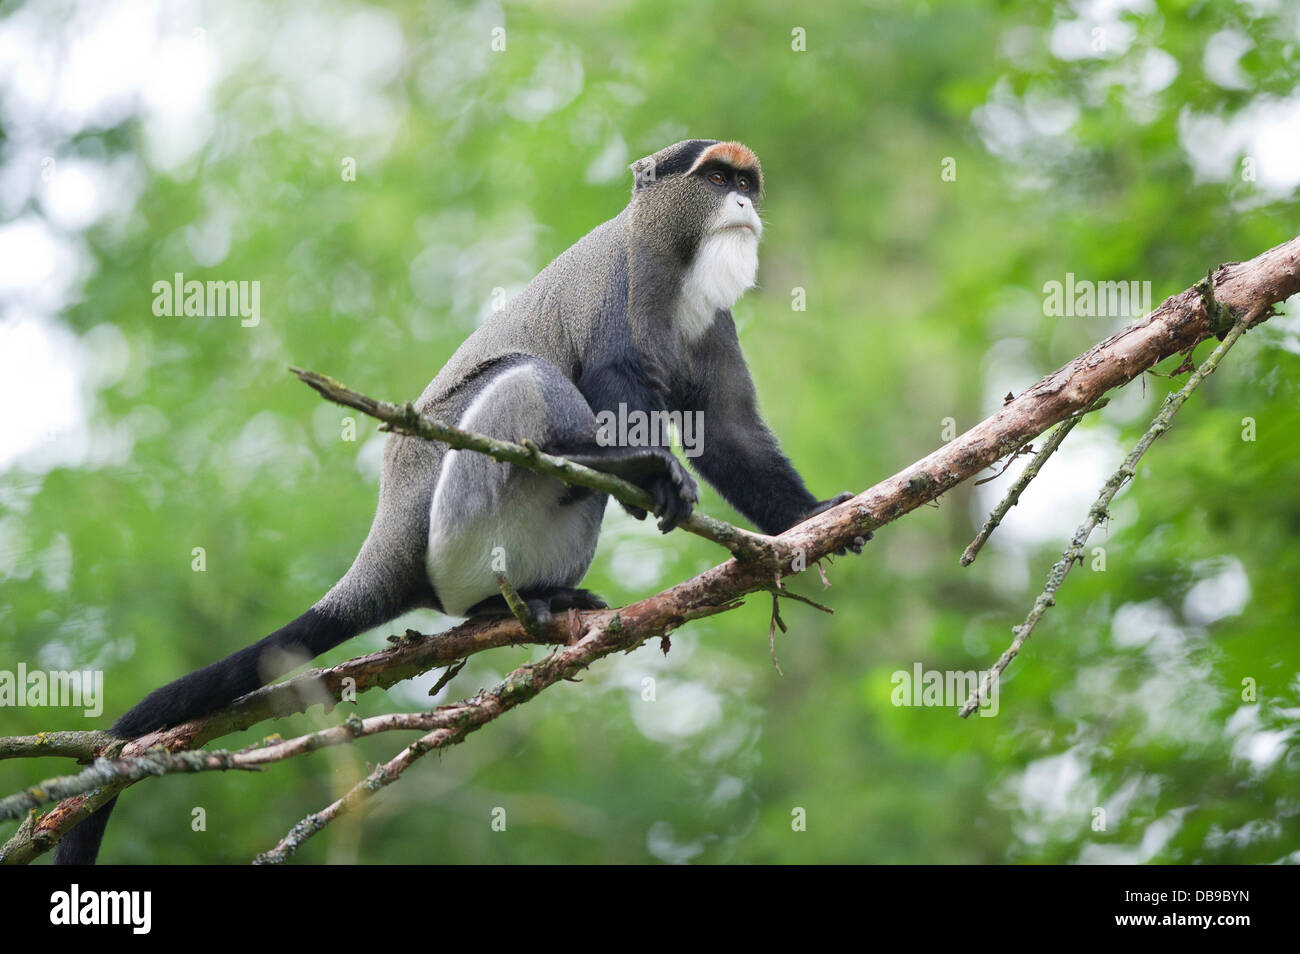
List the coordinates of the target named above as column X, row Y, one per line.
column 724, row 269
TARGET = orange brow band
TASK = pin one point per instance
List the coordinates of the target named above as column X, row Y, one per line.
column 737, row 155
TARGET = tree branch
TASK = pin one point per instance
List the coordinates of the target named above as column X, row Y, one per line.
column 1178, row 325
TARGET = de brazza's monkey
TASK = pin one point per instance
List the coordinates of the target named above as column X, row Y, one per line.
column 636, row 314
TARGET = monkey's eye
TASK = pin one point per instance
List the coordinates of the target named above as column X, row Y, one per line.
column 743, row 182
column 717, row 178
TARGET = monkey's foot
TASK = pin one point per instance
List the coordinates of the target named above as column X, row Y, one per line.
column 675, row 494
column 670, row 485
column 654, row 469
column 542, row 604
column 856, row 545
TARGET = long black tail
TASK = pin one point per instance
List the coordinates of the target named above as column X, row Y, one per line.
column 215, row 686
column 81, row 844
column 223, row 682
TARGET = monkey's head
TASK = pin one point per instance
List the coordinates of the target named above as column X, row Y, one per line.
column 698, row 193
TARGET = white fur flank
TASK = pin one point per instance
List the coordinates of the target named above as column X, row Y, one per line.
column 724, row 268
column 542, row 543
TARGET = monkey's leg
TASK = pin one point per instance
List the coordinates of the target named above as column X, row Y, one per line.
column 487, row 517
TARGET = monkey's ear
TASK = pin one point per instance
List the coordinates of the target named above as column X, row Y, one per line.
column 643, row 172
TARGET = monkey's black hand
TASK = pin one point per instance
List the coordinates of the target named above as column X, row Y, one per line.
column 856, row 545
column 673, row 489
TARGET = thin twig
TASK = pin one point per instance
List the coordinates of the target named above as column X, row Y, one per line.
column 158, row 761
column 518, row 607
column 451, row 673
column 405, row 419
column 1099, row 511
column 102, row 771
column 771, row 632
column 1006, row 465
column 1031, row 471
column 791, row 594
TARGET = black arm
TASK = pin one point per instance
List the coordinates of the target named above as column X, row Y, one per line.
column 740, row 456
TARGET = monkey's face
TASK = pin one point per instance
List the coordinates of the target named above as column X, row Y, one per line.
column 725, row 264
column 735, row 199
column 699, row 193
column 735, row 191
column 695, row 205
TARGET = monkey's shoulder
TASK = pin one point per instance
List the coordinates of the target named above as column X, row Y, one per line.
column 556, row 317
